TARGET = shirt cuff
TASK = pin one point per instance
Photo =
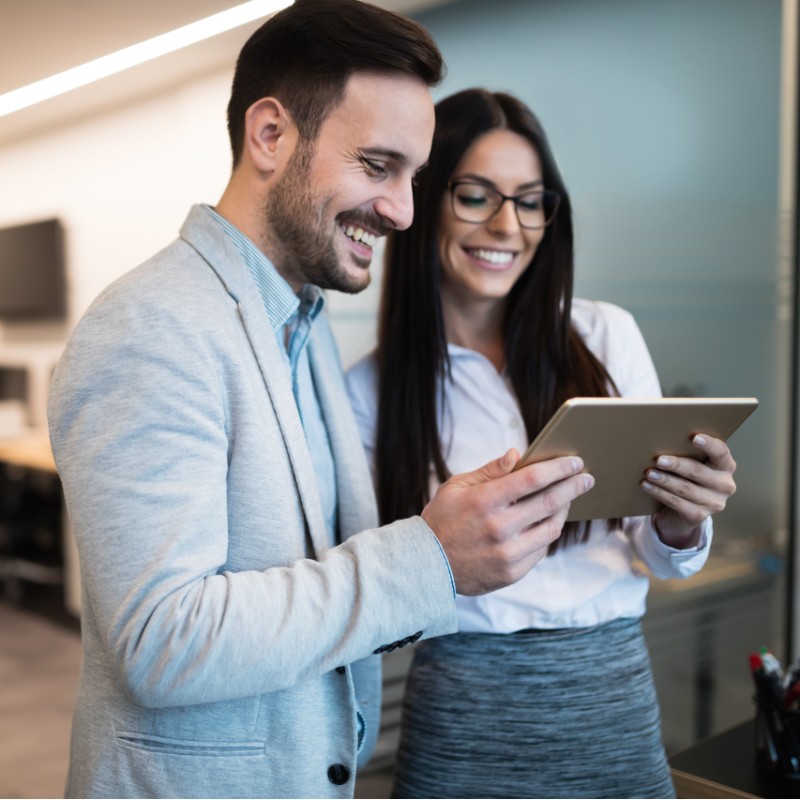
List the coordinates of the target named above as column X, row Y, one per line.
column 447, row 563
column 666, row 561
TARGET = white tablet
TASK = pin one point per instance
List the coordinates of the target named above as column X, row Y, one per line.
column 619, row 438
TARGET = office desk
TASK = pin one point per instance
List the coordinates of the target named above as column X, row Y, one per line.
column 725, row 766
column 31, row 450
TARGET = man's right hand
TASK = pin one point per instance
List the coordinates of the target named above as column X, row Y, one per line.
column 495, row 524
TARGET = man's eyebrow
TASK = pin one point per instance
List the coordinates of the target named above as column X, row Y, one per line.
column 394, row 155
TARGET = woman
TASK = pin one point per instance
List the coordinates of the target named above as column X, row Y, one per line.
column 546, row 691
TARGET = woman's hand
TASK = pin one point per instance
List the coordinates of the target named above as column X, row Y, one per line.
column 690, row 490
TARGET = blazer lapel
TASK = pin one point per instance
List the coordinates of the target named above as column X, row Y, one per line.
column 208, row 239
column 355, row 496
column 276, row 378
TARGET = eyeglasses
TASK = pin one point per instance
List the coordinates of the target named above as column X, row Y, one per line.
column 478, row 203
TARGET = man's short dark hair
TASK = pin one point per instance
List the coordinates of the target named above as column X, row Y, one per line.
column 305, row 54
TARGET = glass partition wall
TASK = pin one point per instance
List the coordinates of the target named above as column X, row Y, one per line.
column 675, row 129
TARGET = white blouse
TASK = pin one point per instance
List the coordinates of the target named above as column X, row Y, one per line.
column 581, row 585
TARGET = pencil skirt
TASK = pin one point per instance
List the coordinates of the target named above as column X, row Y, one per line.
column 565, row 713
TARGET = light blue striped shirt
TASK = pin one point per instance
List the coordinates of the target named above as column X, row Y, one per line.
column 291, row 317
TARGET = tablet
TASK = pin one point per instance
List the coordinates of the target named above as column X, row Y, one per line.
column 618, row 438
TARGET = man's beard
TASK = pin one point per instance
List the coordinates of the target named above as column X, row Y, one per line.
column 295, row 218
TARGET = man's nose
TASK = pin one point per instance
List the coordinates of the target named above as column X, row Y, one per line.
column 397, row 206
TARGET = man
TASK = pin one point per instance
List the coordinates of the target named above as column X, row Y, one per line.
column 237, row 593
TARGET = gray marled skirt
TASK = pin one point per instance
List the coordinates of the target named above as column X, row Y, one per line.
column 567, row 713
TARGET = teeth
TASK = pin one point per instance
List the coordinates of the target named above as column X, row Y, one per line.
column 360, row 235
column 494, row 256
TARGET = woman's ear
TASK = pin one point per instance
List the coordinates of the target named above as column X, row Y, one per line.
column 270, row 134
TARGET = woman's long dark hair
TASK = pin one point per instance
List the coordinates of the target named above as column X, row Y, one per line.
column 546, row 359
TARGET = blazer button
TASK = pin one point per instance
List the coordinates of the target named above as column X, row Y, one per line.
column 338, row 774
column 341, row 670
column 410, row 639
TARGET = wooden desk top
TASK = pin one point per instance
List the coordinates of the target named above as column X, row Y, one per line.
column 30, row 450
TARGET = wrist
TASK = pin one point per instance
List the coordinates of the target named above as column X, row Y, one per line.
column 681, row 539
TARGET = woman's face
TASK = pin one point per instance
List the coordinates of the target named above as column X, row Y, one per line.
column 482, row 261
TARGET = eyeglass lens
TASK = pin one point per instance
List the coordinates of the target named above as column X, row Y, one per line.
column 474, row 202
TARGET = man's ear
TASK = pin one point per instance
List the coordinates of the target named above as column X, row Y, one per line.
column 270, row 135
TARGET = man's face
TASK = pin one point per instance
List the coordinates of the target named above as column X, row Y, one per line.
column 353, row 185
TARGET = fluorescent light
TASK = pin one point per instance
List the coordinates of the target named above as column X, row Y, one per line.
column 137, row 54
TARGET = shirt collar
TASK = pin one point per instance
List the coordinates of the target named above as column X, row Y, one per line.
column 312, row 300
column 279, row 299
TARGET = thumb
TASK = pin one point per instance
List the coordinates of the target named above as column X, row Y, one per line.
column 494, row 469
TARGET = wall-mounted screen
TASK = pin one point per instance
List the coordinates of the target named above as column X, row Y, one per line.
column 32, row 271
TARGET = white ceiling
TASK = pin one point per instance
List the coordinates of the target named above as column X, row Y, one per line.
column 41, row 37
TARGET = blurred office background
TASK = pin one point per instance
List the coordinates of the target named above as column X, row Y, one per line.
column 675, row 126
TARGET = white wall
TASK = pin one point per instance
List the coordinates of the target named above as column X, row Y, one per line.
column 121, row 182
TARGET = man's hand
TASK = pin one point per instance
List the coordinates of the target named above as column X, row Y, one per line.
column 494, row 525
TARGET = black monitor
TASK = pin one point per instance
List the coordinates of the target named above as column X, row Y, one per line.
column 32, row 271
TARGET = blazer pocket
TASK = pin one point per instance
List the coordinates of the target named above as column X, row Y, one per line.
column 183, row 747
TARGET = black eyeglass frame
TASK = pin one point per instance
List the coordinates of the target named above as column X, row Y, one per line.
column 556, row 199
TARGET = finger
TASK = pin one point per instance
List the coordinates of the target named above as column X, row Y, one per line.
column 685, row 490
column 493, row 469
column 526, row 549
column 550, row 479
column 717, row 452
column 702, row 475
column 509, row 485
column 554, row 500
column 691, row 502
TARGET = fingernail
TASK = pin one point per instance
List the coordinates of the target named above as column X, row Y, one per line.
column 653, row 475
column 577, row 463
column 700, row 440
column 588, row 481
column 665, row 462
column 647, row 485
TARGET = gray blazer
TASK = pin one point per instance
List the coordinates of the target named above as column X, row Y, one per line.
column 227, row 647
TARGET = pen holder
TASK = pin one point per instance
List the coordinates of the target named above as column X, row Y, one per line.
column 777, row 741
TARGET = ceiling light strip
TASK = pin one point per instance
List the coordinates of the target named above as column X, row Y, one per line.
column 137, row 54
